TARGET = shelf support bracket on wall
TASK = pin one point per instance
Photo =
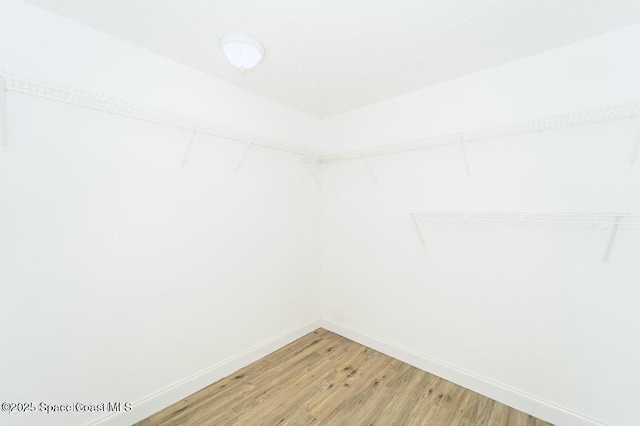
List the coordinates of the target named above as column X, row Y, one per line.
column 415, row 222
column 310, row 171
column 634, row 153
column 313, row 175
column 612, row 238
column 373, row 176
column 313, row 163
column 4, row 141
column 246, row 151
column 464, row 156
column 186, row 153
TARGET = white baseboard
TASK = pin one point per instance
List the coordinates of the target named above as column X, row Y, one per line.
column 506, row 395
column 163, row 398
column 514, row 398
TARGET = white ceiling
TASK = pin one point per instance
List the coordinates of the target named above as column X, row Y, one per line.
column 325, row 57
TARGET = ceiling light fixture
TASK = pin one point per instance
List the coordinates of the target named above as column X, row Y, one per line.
column 243, row 52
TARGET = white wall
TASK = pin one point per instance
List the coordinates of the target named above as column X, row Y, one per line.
column 593, row 73
column 46, row 45
column 121, row 272
column 529, row 315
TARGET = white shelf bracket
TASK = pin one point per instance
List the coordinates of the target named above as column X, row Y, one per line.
column 246, row 151
column 373, row 176
column 186, row 152
column 634, row 152
column 415, row 222
column 313, row 175
column 4, row 141
column 309, row 169
column 464, row 156
column 612, row 238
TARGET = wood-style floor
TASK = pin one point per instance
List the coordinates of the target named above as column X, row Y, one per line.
column 327, row 379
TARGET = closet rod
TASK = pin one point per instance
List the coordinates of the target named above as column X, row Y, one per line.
column 577, row 118
column 47, row 89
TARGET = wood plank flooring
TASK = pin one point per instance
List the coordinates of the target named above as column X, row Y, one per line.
column 324, row 378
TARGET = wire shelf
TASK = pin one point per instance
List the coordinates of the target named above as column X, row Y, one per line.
column 579, row 118
column 60, row 92
column 576, row 218
column 47, row 89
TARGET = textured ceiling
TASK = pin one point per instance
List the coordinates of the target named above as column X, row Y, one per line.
column 330, row 56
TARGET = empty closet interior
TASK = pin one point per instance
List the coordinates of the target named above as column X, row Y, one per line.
column 472, row 211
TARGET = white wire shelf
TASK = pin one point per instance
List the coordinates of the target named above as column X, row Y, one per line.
column 55, row 91
column 576, row 218
column 578, row 118
column 612, row 220
column 51, row 90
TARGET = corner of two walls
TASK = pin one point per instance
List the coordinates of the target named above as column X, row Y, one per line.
column 115, row 310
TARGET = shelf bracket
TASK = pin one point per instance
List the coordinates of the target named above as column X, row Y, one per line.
column 313, row 175
column 373, row 176
column 186, row 153
column 415, row 222
column 309, row 169
column 634, row 153
column 246, row 151
column 612, row 238
column 464, row 156
column 4, row 141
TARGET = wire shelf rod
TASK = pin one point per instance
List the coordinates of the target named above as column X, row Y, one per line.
column 613, row 220
column 47, row 89
column 578, row 218
column 54, row 91
column 571, row 119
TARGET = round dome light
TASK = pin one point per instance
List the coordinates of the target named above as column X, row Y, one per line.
column 243, row 52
